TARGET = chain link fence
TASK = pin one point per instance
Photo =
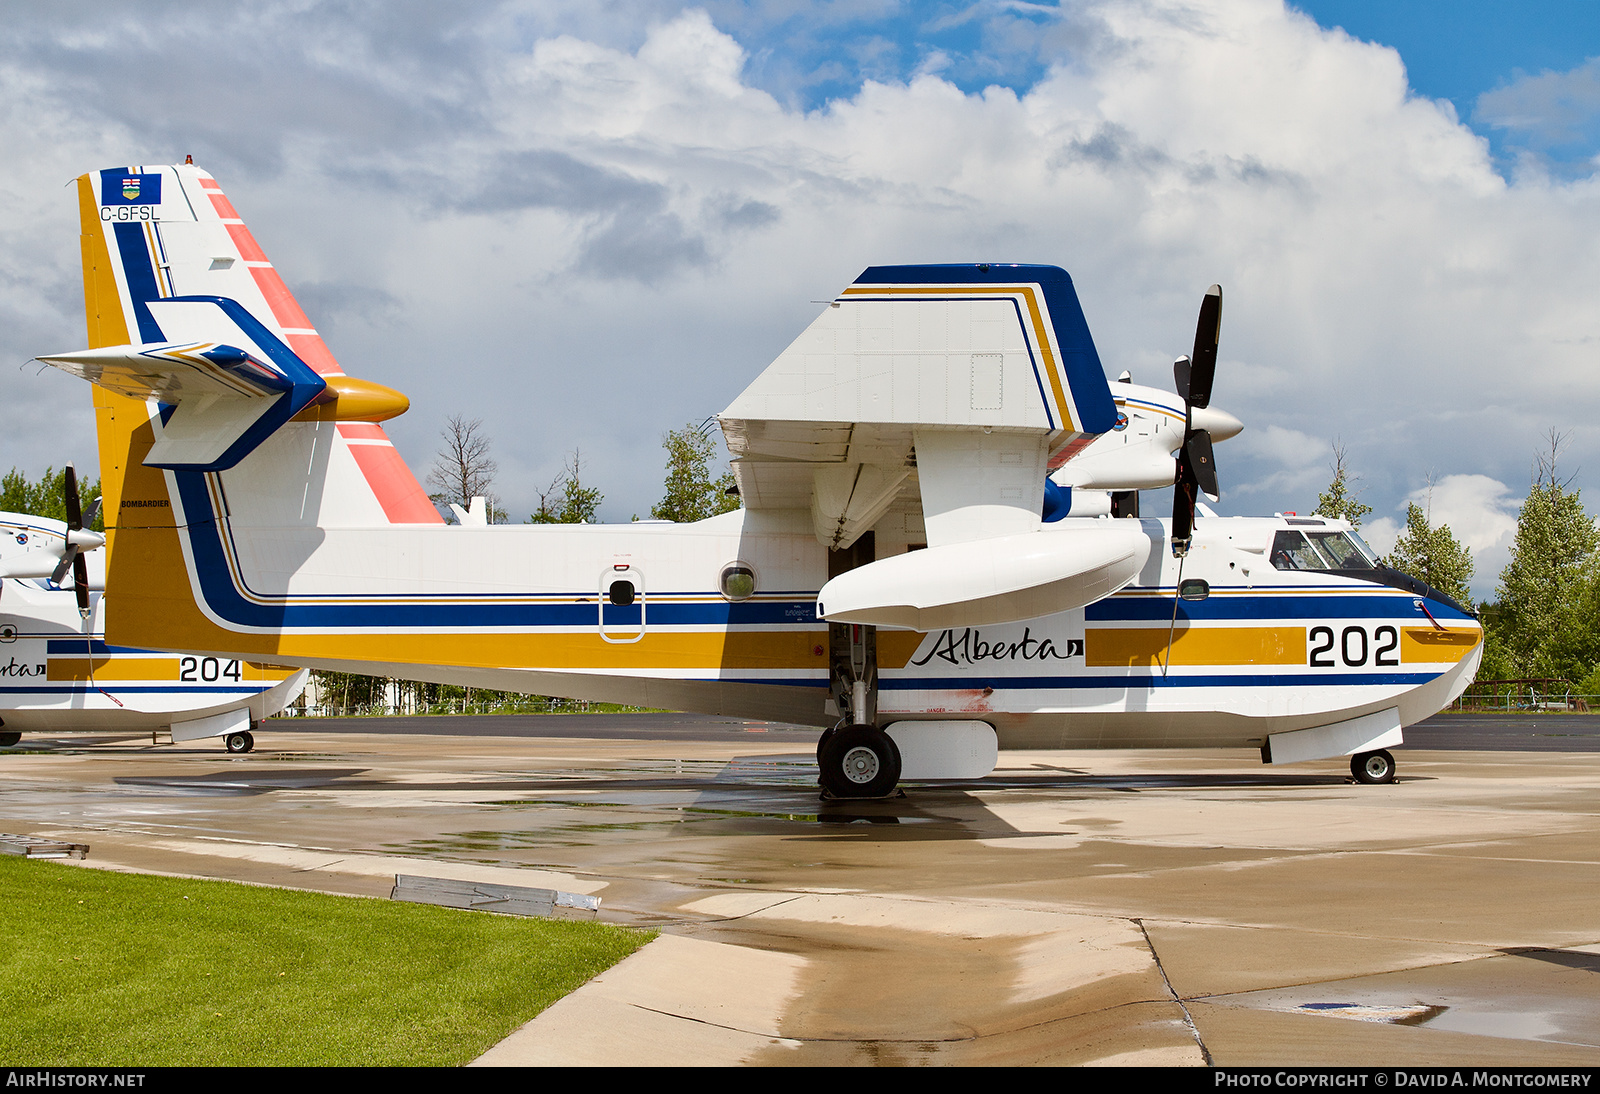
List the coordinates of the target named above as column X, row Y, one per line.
column 1532, row 696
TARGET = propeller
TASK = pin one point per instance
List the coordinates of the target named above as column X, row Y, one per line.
column 1197, row 466
column 79, row 540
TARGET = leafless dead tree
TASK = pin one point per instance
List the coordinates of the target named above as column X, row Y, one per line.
column 463, row 469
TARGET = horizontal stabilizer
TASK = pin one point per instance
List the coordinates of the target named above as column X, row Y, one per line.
column 223, row 389
column 989, row 581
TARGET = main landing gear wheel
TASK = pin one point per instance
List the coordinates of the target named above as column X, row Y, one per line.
column 822, row 742
column 9, row 739
column 859, row 762
column 1372, row 767
column 240, row 742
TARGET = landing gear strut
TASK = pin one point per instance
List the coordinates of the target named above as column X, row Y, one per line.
column 1372, row 767
column 855, row 759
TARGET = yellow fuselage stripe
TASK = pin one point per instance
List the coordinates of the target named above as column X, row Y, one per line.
column 1120, row 647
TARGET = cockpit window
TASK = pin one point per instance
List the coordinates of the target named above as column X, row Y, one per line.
column 1321, row 551
column 1290, row 551
column 1344, row 548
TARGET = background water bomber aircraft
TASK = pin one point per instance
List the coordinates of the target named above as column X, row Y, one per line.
column 913, row 570
column 57, row 674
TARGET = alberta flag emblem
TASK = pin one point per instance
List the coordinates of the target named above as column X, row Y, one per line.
column 130, row 188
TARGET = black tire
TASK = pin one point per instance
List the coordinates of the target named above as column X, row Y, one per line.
column 239, row 742
column 827, row 735
column 7, row 739
column 859, row 762
column 1372, row 767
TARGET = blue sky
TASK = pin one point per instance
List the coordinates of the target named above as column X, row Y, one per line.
column 807, row 54
column 1464, row 50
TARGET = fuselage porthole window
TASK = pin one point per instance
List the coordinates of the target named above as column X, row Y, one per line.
column 738, row 581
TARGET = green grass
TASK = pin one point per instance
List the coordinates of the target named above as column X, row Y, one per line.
column 104, row 969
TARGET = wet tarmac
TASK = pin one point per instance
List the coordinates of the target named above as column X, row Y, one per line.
column 1075, row 907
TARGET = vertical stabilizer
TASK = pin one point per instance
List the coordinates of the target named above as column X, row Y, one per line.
column 200, row 341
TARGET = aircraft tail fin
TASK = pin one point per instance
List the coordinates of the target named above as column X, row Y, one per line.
column 194, row 336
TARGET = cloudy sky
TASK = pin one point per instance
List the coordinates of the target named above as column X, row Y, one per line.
column 587, row 222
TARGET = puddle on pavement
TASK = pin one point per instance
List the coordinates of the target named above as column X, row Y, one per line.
column 1412, row 1015
column 1523, row 994
column 714, row 811
column 240, row 782
column 1487, row 1020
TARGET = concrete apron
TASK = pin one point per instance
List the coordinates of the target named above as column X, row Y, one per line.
column 1155, row 907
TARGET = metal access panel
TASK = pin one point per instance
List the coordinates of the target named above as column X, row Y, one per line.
column 931, row 750
column 33, row 847
column 480, row 896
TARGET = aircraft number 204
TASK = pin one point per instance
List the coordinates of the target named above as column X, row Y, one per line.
column 1352, row 646
column 209, row 669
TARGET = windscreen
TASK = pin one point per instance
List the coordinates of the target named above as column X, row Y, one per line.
column 1321, row 551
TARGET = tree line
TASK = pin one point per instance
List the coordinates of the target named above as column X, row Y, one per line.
column 46, row 496
column 1544, row 621
column 464, row 469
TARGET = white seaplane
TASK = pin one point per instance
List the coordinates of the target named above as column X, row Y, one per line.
column 58, row 673
column 938, row 554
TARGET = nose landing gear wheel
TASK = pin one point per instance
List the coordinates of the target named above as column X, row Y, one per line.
column 240, row 742
column 1372, row 767
column 859, row 762
column 7, row 739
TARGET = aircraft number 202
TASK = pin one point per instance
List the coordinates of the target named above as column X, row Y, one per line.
column 1352, row 646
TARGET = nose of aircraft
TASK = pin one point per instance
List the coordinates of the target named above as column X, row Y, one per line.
column 1219, row 423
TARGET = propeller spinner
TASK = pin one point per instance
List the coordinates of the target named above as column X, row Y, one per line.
column 1197, row 466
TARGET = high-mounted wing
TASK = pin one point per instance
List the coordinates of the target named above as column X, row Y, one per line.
column 955, row 388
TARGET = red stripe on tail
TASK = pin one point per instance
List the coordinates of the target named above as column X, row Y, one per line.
column 392, row 482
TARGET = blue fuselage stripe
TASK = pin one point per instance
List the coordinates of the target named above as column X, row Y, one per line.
column 450, row 612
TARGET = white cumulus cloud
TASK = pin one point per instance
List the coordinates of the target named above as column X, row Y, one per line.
column 588, row 230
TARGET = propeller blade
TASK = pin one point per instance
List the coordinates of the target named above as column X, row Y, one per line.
column 92, row 512
column 65, row 564
column 80, row 582
column 1202, row 464
column 1180, row 377
column 74, row 510
column 1207, row 333
column 1182, row 517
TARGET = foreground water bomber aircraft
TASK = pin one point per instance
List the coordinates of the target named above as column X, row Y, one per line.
column 58, row 675
column 939, row 552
